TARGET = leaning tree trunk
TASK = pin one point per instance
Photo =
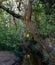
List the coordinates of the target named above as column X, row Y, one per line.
column 35, row 34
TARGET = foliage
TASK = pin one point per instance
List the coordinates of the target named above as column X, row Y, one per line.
column 43, row 21
column 10, row 37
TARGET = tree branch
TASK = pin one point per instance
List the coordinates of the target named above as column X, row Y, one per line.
column 40, row 41
column 8, row 10
column 36, row 36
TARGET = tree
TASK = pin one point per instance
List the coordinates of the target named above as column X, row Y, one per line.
column 27, row 19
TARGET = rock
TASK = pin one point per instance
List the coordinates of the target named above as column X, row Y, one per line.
column 7, row 58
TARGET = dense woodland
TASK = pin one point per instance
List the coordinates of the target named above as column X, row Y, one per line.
column 27, row 29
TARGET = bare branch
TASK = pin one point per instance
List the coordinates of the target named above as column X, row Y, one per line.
column 40, row 41
column 36, row 36
column 8, row 10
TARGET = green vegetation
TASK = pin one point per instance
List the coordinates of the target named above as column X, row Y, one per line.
column 12, row 34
